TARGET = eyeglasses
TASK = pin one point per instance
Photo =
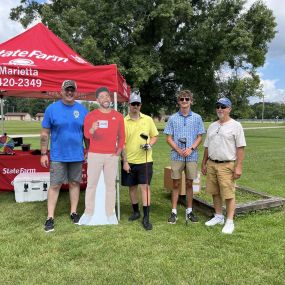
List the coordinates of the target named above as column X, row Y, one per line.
column 184, row 99
column 135, row 104
column 218, row 130
column 218, row 106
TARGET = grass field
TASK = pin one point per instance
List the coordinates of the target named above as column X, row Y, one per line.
column 170, row 254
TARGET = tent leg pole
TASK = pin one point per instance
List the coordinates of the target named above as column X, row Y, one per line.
column 2, row 114
column 117, row 178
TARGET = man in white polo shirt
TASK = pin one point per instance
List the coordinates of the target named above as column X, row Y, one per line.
column 222, row 162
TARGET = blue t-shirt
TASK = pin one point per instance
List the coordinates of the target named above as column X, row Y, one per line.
column 66, row 131
column 189, row 127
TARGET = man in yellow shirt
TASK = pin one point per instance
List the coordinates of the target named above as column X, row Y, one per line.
column 141, row 134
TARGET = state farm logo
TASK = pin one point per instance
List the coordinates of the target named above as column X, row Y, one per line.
column 78, row 58
column 21, row 61
column 18, row 170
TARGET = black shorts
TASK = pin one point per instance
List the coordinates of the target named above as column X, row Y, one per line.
column 137, row 174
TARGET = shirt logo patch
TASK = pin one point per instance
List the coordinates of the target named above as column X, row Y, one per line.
column 113, row 118
column 76, row 114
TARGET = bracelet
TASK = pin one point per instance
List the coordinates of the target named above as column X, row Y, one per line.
column 43, row 153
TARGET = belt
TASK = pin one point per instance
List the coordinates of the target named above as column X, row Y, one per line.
column 221, row 161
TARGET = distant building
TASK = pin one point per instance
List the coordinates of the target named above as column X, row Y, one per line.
column 18, row 117
column 39, row 116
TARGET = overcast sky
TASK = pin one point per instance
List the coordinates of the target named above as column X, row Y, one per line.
column 272, row 74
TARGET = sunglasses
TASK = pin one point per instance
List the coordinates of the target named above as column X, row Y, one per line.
column 218, row 106
column 184, row 99
column 69, row 90
column 135, row 104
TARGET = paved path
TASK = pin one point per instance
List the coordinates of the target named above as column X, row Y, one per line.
column 25, row 136
column 256, row 128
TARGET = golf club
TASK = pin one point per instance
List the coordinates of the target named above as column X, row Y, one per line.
column 145, row 137
column 184, row 142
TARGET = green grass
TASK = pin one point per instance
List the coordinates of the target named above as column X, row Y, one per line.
column 170, row 254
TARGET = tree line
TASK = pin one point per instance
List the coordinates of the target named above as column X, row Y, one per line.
column 34, row 106
column 161, row 46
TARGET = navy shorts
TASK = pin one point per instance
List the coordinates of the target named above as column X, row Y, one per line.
column 137, row 174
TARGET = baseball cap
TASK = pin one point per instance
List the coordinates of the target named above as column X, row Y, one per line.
column 225, row 101
column 101, row 89
column 135, row 98
column 69, row 83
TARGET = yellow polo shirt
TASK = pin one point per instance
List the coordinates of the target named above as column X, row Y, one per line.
column 133, row 129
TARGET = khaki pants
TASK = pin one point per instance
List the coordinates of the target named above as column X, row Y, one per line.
column 96, row 163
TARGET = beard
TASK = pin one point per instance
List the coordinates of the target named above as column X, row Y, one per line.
column 106, row 105
column 220, row 115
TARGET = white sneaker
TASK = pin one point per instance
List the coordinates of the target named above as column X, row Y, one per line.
column 228, row 228
column 215, row 221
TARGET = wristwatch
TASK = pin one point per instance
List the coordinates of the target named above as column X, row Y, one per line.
column 192, row 148
column 43, row 153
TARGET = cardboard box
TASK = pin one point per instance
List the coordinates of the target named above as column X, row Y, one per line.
column 29, row 187
column 168, row 182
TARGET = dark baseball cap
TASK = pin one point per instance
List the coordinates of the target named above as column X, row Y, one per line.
column 68, row 83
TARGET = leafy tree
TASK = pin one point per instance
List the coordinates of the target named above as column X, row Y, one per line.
column 271, row 110
column 31, row 106
column 164, row 45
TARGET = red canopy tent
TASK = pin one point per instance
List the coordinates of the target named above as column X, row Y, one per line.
column 35, row 63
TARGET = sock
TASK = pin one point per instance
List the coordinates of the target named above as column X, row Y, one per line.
column 219, row 216
column 146, row 210
column 229, row 221
column 136, row 207
column 174, row 211
column 188, row 210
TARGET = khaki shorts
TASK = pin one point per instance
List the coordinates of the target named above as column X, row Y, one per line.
column 220, row 179
column 178, row 166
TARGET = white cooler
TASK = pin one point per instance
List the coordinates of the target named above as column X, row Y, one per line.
column 30, row 187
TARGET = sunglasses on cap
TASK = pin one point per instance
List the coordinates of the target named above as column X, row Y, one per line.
column 135, row 103
column 218, row 106
column 184, row 99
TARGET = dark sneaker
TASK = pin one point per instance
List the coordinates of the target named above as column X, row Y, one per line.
column 134, row 216
column 75, row 218
column 146, row 224
column 49, row 225
column 191, row 217
column 173, row 218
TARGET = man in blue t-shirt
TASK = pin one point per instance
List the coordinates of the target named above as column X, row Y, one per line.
column 63, row 125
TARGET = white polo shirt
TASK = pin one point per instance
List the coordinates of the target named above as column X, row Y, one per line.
column 222, row 140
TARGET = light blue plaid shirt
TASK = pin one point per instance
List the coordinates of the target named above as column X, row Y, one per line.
column 189, row 127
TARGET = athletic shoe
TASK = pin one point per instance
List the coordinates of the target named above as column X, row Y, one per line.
column 228, row 228
column 49, row 225
column 146, row 224
column 215, row 221
column 173, row 218
column 134, row 216
column 75, row 218
column 191, row 217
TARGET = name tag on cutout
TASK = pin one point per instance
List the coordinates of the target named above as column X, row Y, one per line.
column 103, row 124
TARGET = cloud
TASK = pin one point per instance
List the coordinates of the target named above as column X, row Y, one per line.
column 8, row 28
column 277, row 46
column 271, row 92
